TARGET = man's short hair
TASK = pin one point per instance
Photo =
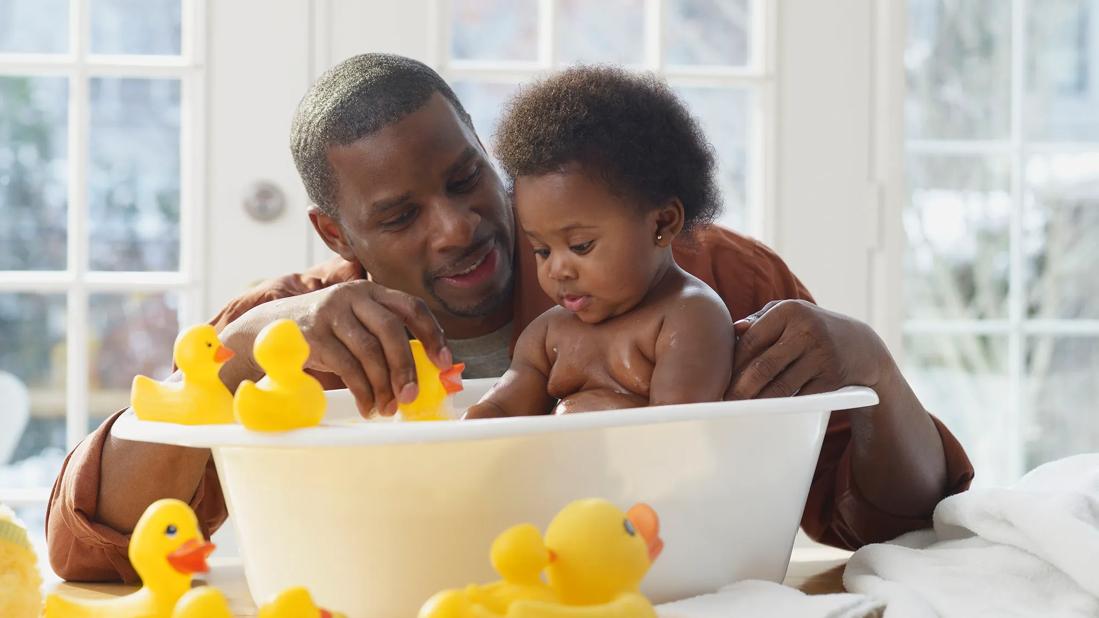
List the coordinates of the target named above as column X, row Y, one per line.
column 352, row 100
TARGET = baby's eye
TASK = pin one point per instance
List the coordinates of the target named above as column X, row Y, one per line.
column 542, row 253
column 582, row 248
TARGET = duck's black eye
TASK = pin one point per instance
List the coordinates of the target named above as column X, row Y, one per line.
column 209, row 345
column 170, row 530
column 629, row 527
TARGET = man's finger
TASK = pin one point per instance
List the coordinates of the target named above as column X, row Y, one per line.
column 420, row 322
column 396, row 356
column 759, row 372
column 340, row 361
column 742, row 325
column 763, row 333
column 791, row 380
column 370, row 356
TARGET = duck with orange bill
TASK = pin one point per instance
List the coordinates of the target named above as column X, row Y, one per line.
column 593, row 557
column 432, row 402
column 199, row 398
column 166, row 550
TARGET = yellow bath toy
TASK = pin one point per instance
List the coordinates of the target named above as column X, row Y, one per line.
column 20, row 581
column 287, row 397
column 209, row 602
column 199, row 398
column 435, row 386
column 166, row 550
column 202, row 602
column 593, row 555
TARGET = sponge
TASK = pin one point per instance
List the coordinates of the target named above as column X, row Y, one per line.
column 20, row 581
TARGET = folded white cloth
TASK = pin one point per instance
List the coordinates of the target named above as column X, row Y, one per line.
column 1028, row 550
column 761, row 599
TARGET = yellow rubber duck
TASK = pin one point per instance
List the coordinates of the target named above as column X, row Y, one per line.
column 20, row 581
column 435, row 387
column 166, row 550
column 594, row 557
column 287, row 397
column 199, row 398
column 209, row 602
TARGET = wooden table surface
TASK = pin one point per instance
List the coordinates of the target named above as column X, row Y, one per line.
column 813, row 570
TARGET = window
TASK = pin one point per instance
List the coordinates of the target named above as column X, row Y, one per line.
column 713, row 53
column 99, row 138
column 1002, row 301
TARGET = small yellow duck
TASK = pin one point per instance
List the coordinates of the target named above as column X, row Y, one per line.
column 209, row 602
column 435, row 386
column 287, row 397
column 594, row 557
column 20, row 581
column 199, row 398
column 166, row 550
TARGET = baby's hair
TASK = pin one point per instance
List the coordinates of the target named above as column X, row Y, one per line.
column 628, row 130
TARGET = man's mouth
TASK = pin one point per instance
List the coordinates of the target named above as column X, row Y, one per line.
column 575, row 302
column 478, row 269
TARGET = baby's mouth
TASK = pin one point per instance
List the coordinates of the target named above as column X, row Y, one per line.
column 575, row 302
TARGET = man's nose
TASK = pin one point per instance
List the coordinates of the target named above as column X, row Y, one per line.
column 455, row 226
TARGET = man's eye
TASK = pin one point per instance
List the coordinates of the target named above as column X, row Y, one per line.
column 468, row 182
column 400, row 220
column 582, row 248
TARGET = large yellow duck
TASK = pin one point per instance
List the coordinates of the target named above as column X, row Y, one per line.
column 209, row 602
column 287, row 397
column 166, row 550
column 199, row 398
column 594, row 557
column 435, row 387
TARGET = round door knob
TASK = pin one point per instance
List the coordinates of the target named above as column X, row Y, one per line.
column 264, row 201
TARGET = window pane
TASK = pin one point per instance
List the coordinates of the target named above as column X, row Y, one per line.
column 1063, row 70
column 130, row 334
column 485, row 103
column 711, row 32
column 33, row 172
column 610, row 31
column 1061, row 391
column 494, row 29
column 136, row 27
column 958, row 63
column 724, row 114
column 962, row 379
column 958, row 230
column 32, row 388
column 1061, row 236
column 34, row 26
column 134, row 175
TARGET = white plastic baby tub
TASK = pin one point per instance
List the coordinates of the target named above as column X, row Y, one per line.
column 374, row 517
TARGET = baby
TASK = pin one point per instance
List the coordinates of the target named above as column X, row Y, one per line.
column 607, row 169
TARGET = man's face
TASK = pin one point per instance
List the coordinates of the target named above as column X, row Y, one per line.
column 421, row 205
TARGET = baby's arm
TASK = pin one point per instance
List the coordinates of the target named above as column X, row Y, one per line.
column 522, row 390
column 694, row 352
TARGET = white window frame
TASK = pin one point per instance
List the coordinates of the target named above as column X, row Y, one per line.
column 77, row 282
column 757, row 78
column 1010, row 438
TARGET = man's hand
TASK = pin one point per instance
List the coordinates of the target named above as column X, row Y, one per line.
column 794, row 347
column 355, row 330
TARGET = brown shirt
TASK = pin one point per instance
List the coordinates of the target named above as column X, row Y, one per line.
column 744, row 273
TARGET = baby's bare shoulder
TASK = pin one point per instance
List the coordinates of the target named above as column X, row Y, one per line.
column 691, row 301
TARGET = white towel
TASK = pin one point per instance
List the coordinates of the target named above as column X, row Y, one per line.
column 1028, row 550
column 761, row 599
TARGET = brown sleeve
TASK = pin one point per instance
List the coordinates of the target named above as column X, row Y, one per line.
column 82, row 549
column 748, row 275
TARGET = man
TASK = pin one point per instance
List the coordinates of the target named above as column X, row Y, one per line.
column 406, row 195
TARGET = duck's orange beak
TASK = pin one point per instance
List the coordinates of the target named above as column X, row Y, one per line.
column 647, row 524
column 452, row 378
column 191, row 557
column 223, row 354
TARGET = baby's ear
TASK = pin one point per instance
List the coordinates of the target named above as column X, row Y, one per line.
column 669, row 219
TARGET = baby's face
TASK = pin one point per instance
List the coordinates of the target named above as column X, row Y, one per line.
column 596, row 250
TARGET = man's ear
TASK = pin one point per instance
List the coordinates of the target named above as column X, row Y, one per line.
column 669, row 220
column 331, row 233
